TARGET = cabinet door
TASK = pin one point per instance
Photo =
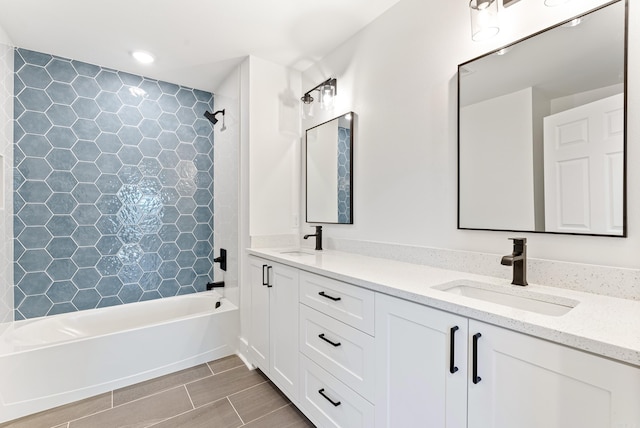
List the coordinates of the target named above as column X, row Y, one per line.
column 527, row 382
column 284, row 328
column 414, row 383
column 259, row 331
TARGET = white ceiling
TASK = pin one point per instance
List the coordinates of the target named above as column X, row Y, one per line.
column 196, row 42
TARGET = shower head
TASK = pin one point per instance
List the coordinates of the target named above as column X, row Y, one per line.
column 212, row 116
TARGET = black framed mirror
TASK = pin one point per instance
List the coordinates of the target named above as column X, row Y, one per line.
column 542, row 130
column 329, row 168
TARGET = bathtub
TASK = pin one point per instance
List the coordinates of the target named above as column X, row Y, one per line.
column 50, row 361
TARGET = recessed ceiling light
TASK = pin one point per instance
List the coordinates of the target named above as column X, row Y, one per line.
column 573, row 23
column 143, row 57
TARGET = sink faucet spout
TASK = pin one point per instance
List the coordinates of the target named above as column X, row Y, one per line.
column 518, row 259
column 318, row 236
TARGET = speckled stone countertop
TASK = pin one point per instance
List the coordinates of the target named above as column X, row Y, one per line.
column 601, row 325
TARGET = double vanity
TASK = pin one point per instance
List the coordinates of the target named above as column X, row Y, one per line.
column 357, row 341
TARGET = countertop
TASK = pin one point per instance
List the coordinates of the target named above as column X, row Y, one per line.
column 602, row 325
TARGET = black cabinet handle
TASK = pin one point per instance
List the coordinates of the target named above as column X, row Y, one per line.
column 269, row 268
column 336, row 344
column 264, row 282
column 452, row 349
column 476, row 378
column 335, row 299
column 335, row 403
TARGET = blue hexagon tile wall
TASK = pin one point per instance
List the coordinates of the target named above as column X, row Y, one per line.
column 344, row 175
column 113, row 186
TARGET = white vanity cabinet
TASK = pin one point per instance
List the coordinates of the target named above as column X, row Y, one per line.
column 273, row 340
column 421, row 361
column 527, row 382
column 337, row 352
column 504, row 379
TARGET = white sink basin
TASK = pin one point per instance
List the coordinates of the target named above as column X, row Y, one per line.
column 297, row 253
column 512, row 297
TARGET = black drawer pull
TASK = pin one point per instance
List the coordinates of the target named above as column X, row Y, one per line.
column 476, row 378
column 269, row 268
column 264, row 268
column 452, row 350
column 336, row 344
column 335, row 299
column 335, row 403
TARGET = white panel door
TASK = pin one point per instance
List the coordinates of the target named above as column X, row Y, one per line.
column 419, row 382
column 283, row 322
column 584, row 168
column 259, row 331
column 526, row 382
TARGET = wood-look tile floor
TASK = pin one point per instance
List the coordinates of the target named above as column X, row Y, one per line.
column 219, row 394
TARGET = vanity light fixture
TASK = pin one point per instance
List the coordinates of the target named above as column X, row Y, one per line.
column 484, row 19
column 327, row 89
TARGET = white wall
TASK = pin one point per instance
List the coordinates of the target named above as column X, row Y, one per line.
column 6, row 176
column 274, row 148
column 399, row 76
column 226, row 176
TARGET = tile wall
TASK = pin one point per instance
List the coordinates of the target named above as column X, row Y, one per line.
column 344, row 174
column 113, row 187
column 6, row 176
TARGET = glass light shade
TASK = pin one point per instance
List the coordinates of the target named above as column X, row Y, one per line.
column 327, row 96
column 484, row 19
column 307, row 110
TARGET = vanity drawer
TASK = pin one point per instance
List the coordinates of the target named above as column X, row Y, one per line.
column 343, row 351
column 348, row 303
column 329, row 402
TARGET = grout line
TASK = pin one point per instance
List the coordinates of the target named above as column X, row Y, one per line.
column 234, row 393
column 224, row 371
column 234, row 409
column 246, row 389
column 183, row 413
column 189, row 396
column 90, row 414
column 273, row 411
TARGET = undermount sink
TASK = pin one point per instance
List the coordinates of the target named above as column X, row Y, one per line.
column 512, row 297
column 297, row 253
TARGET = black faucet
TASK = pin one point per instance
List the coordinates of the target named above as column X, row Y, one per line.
column 318, row 236
column 518, row 260
column 222, row 259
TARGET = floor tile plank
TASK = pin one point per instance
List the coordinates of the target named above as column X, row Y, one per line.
column 218, row 386
column 286, row 417
column 140, row 413
column 258, row 401
column 219, row 415
column 163, row 383
column 226, row 363
column 61, row 415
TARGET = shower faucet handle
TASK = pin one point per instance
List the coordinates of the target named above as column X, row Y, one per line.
column 222, row 259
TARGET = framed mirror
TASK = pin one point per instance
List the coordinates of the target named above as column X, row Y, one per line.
column 542, row 131
column 329, row 160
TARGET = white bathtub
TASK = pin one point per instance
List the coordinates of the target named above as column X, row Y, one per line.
column 50, row 361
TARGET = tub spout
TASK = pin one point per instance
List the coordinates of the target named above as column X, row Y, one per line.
column 212, row 285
